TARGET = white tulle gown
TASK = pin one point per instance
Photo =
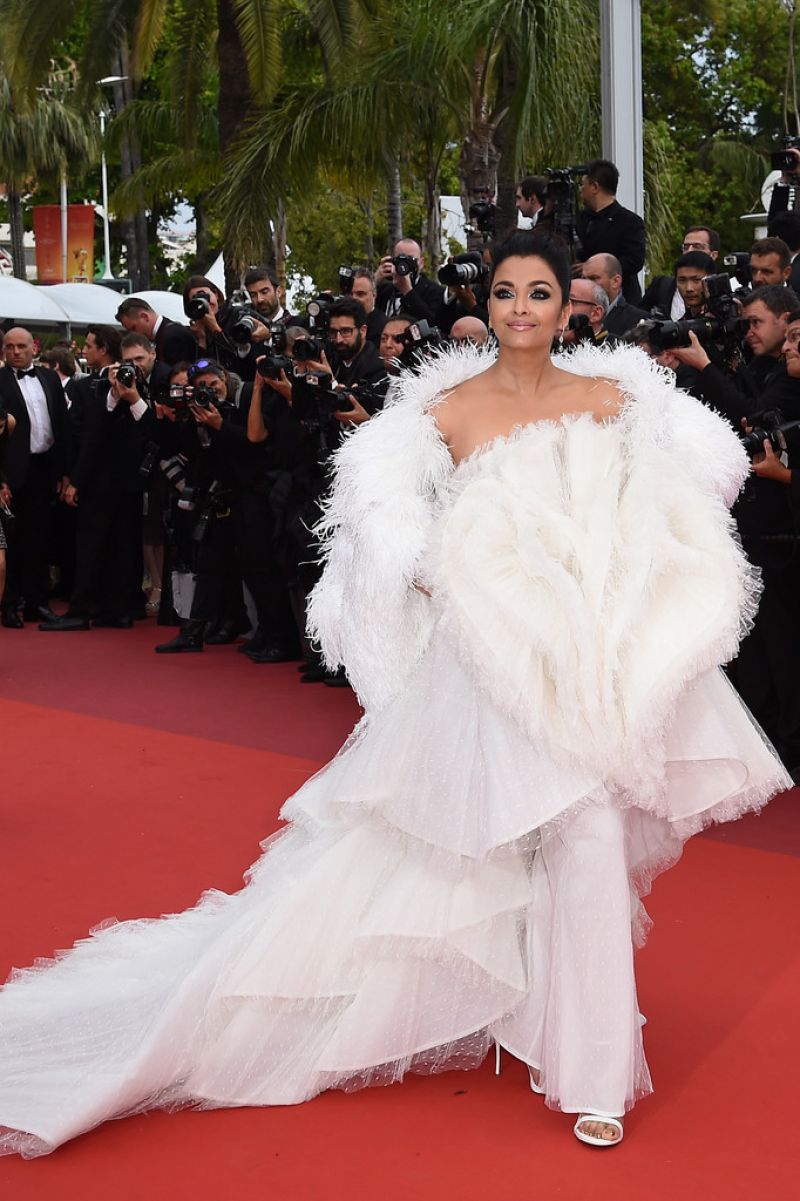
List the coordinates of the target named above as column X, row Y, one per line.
column 544, row 733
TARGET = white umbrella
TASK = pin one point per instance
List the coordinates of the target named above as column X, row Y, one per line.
column 86, row 304
column 22, row 301
column 169, row 304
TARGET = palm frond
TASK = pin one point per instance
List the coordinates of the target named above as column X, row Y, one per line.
column 259, row 25
column 149, row 28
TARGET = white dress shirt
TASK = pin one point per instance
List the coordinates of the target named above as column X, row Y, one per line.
column 138, row 408
column 36, row 403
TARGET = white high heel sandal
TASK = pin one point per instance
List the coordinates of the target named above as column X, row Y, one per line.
column 535, row 1088
column 594, row 1140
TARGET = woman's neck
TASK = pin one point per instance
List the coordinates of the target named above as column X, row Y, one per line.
column 524, row 371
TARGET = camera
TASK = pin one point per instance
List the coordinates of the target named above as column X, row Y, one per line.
column 781, row 160
column 770, row 426
column 418, row 338
column 243, row 322
column 179, row 398
column 346, row 277
column 405, row 264
column 740, row 262
column 198, row 307
column 464, row 270
column 204, row 397
column 272, row 365
column 720, row 324
column 484, row 214
column 127, row 375
column 581, row 326
column 319, row 311
column 307, row 348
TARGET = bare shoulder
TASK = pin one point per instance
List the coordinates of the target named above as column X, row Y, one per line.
column 457, row 404
column 592, row 394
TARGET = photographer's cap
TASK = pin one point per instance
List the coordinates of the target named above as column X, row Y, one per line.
column 206, row 367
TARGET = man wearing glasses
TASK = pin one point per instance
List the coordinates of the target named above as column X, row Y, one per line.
column 588, row 299
column 354, row 358
column 663, row 294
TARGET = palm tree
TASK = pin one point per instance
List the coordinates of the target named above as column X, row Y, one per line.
column 39, row 137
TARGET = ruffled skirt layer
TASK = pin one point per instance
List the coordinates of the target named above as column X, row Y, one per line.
column 429, row 895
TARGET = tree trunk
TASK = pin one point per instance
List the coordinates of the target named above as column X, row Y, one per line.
column 134, row 228
column 203, row 254
column 233, row 109
column 279, row 243
column 433, row 225
column 477, row 168
column 505, row 140
column 394, row 203
column 16, row 223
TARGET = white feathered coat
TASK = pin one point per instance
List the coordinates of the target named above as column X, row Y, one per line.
column 592, row 675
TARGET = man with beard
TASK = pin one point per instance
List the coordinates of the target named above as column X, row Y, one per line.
column 355, row 359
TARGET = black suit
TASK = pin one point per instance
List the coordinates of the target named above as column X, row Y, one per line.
column 422, row 301
column 660, row 293
column 623, row 316
column 175, row 343
column 110, row 486
column 32, row 479
column 618, row 231
column 794, row 278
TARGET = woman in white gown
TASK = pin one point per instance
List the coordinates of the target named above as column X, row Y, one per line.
column 532, row 579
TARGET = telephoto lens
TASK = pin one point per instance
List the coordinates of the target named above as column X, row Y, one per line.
column 126, row 375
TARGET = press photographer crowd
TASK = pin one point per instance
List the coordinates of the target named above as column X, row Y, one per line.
column 178, row 470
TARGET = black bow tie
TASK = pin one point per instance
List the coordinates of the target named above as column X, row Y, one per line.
column 30, row 371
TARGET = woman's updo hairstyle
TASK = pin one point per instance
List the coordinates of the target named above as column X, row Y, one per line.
column 527, row 243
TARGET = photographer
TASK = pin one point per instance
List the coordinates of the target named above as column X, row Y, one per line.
column 589, row 307
column 212, row 321
column 763, row 382
column 786, row 227
column 153, row 374
column 605, row 270
column 173, row 342
column 199, row 444
column 106, row 485
column 770, row 262
column 470, row 329
column 662, row 295
column 392, row 342
column 354, row 360
column 365, row 291
column 402, row 285
column 266, row 296
column 767, row 667
column 464, row 277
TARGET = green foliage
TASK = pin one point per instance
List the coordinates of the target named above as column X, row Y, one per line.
column 714, row 75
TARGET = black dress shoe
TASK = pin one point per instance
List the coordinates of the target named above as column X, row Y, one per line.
column 113, row 623
column 273, row 654
column 190, row 639
column 335, row 679
column 12, row 620
column 39, row 613
column 313, row 675
column 223, row 635
column 65, row 623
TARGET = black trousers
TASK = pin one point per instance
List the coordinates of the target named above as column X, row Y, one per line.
column 108, row 552
column 261, row 569
column 218, row 584
column 33, row 505
column 766, row 671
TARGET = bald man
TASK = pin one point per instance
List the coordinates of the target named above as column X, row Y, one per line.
column 407, row 291
column 34, row 469
column 469, row 329
column 606, row 270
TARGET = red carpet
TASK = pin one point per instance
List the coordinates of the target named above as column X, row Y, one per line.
column 131, row 784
